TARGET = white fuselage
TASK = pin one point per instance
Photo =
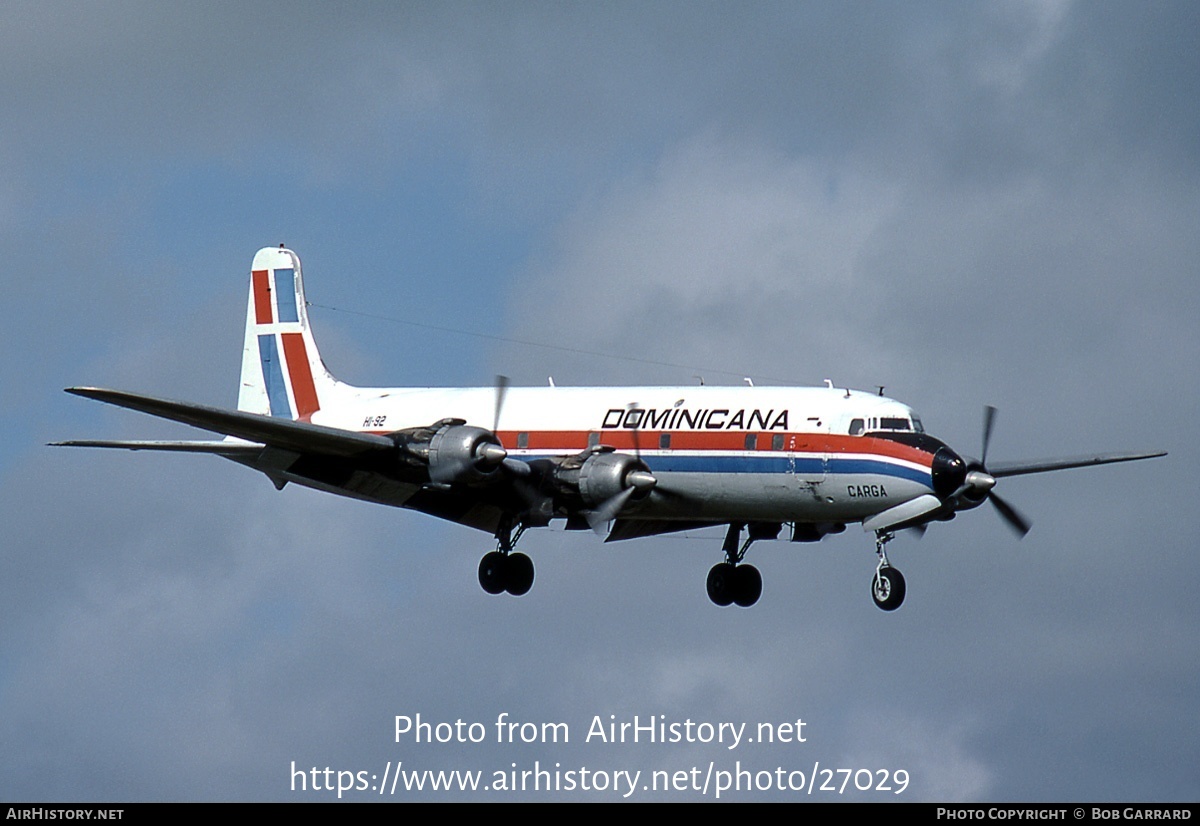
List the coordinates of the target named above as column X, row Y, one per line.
column 745, row 453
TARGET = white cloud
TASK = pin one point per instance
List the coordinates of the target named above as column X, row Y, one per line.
column 726, row 254
column 944, row 759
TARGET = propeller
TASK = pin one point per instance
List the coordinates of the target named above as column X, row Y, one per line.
column 515, row 467
column 494, row 454
column 960, row 483
column 637, row 482
column 979, row 483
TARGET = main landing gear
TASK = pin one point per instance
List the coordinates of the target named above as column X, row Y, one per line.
column 503, row 569
column 730, row 582
column 887, row 586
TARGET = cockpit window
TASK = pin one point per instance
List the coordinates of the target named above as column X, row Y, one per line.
column 857, row 426
column 893, row 423
column 917, row 426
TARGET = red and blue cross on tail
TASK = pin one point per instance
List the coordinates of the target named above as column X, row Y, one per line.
column 283, row 354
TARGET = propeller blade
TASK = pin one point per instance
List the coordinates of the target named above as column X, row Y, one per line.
column 989, row 419
column 637, row 442
column 599, row 518
column 1015, row 520
column 501, row 390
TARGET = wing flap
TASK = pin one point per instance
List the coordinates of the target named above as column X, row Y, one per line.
column 465, row 510
column 636, row 528
column 302, row 437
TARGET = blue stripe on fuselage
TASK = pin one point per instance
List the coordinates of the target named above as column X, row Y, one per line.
column 732, row 464
column 803, row 465
column 874, row 466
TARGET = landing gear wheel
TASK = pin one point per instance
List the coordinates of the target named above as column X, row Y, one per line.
column 887, row 588
column 747, row 585
column 722, row 583
column 492, row 572
column 519, row 576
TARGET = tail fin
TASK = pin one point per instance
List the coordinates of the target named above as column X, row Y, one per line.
column 282, row 372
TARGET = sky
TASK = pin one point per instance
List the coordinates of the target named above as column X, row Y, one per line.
column 970, row 204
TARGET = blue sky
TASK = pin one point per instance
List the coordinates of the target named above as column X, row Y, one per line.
column 968, row 203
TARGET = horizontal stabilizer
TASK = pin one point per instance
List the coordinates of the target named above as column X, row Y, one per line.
column 1000, row 469
column 220, row 448
column 301, row 437
column 904, row 512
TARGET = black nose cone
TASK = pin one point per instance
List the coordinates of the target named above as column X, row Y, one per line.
column 949, row 472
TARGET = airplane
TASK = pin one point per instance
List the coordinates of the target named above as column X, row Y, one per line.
column 626, row 462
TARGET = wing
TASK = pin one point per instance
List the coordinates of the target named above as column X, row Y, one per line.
column 359, row 465
column 1001, row 469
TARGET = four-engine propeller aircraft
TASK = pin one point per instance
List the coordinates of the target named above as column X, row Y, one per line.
column 625, row 461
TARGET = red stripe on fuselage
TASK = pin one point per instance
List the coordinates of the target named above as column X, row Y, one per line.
column 568, row 441
column 303, row 389
column 262, row 297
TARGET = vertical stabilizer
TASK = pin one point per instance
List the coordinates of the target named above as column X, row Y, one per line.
column 282, row 372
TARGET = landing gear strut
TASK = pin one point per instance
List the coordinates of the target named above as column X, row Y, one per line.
column 729, row 582
column 503, row 569
column 887, row 586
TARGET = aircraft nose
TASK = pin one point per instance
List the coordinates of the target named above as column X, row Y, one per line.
column 949, row 472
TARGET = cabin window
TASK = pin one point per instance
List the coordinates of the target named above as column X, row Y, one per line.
column 857, row 426
column 664, row 441
column 751, row 441
column 777, row 442
column 522, row 440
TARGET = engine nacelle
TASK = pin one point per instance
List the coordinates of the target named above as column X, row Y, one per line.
column 462, row 454
column 601, row 475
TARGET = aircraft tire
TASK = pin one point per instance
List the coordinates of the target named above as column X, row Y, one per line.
column 519, row 574
column 887, row 589
column 493, row 570
column 722, row 580
column 747, row 585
